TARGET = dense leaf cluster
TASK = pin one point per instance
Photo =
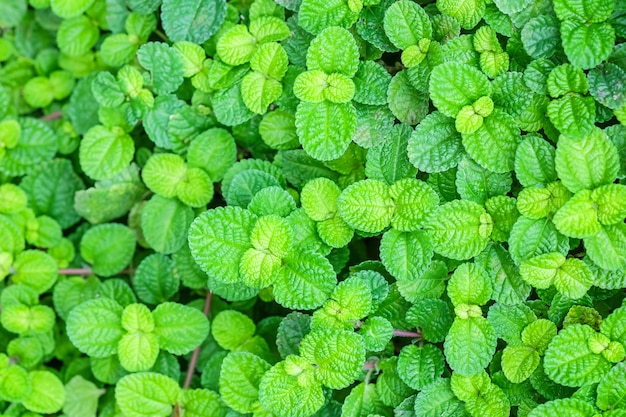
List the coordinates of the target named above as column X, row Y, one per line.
column 312, row 208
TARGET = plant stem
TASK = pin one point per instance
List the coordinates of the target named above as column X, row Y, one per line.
column 370, row 365
column 87, row 271
column 196, row 353
column 52, row 116
column 404, row 333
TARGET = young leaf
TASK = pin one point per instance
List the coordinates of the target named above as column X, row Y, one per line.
column 146, row 394
column 366, row 205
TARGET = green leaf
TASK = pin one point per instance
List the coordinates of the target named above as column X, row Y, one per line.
column 377, row 333
column 530, row 238
column 95, row 328
column 218, row 238
column 232, row 329
column 569, row 360
column 573, row 115
column 470, row 345
column 36, row 269
column 606, row 85
column 534, row 161
column 519, row 362
column 315, row 15
column 165, row 66
column 469, row 284
column 105, row 152
column 293, row 327
column 433, row 316
column 16, row 384
column 460, row 229
column 69, row 8
column 333, row 50
column 202, row 402
column 467, row 13
column 240, row 377
column 407, row 103
column 12, row 12
column 47, row 393
column 573, row 157
column 108, row 248
column 539, row 334
column 37, row 144
column 435, row 145
column 406, row 23
column 406, row 255
column 612, row 389
column 290, row 388
column 420, row 366
column 258, row 91
column 162, row 173
column 146, row 394
column 194, row 21
column 566, row 406
column 494, row 143
column 437, row 399
column 578, row 217
column 154, row 280
column 366, row 205
column 371, row 82
column 138, row 351
column 454, row 85
column 77, row 36
column 179, row 329
column 611, row 202
column 24, row 320
column 592, row 10
column 478, row 184
column 606, row 249
column 325, row 129
column 164, row 222
column 305, row 281
column 578, row 36
column 415, row 200
column 337, row 356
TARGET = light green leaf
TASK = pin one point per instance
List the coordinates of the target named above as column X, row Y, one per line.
column 435, row 145
column 81, row 397
column 578, row 217
column 519, row 362
column 69, row 8
column 325, row 129
column 591, row 10
column 105, row 152
column 573, row 407
column 469, row 284
column 612, row 389
column 305, row 281
column 494, row 143
column 573, row 115
column 607, row 249
column 138, row 351
column 77, row 36
column 415, row 201
column 534, row 161
column 587, row 45
column 437, row 399
column 530, row 238
column 24, row 320
column 420, row 366
column 195, row 21
column 240, row 376
column 258, row 91
column 290, row 388
column 47, row 394
column 236, row 46
column 468, row 13
column 478, row 184
column 569, row 360
column 269, row 29
column 407, row 103
column 460, row 229
column 231, row 329
column 95, row 328
column 406, row 255
column 575, row 157
column 454, row 85
column 202, row 402
column 165, row 66
column 539, row 334
column 377, row 333
column 271, row 60
column 37, row 144
column 146, row 394
column 366, row 205
column 333, row 50
column 611, row 202
column 316, row 15
column 406, row 23
column 108, row 248
column 470, row 345
column 154, row 280
column 36, row 269
column 218, row 238
column 162, row 172
column 337, row 356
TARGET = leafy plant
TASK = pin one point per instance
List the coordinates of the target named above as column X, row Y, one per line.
column 305, row 208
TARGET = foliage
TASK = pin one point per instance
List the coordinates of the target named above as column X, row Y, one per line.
column 312, row 208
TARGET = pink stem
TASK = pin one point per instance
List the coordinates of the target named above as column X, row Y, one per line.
column 196, row 353
column 404, row 333
column 52, row 116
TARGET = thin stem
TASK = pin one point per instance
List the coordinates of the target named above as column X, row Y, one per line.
column 370, row 365
column 52, row 116
column 89, row 271
column 161, row 35
column 196, row 353
column 404, row 333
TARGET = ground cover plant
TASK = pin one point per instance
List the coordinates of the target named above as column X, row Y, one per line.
column 296, row 208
